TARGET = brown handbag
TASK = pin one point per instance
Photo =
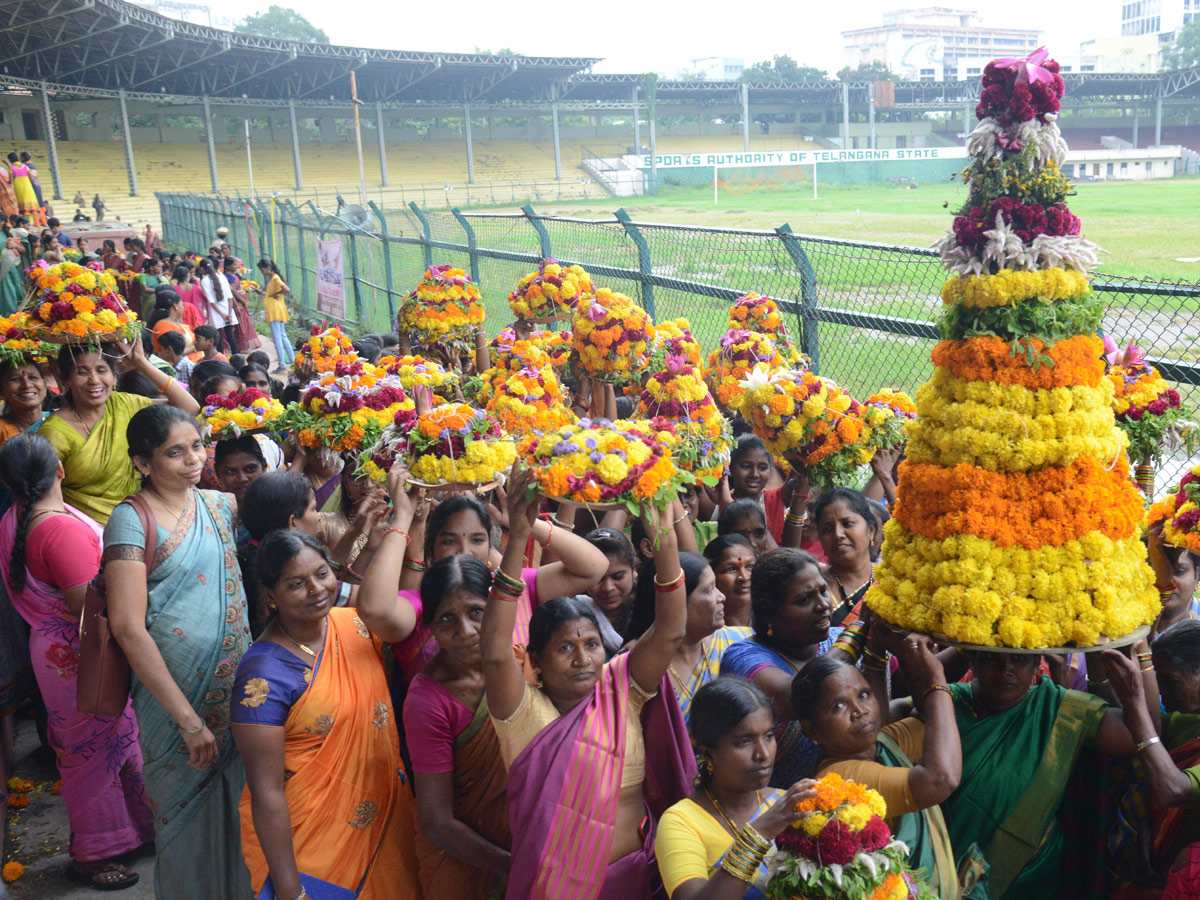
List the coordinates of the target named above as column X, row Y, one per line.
column 102, row 684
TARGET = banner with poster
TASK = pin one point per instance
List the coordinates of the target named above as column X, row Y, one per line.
column 331, row 284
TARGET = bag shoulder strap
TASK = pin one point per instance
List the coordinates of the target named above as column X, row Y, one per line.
column 149, row 526
column 1017, row 841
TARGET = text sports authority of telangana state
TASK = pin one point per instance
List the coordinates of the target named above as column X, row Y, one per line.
column 794, row 157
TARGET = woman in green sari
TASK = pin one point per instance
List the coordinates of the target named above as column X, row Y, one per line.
column 183, row 628
column 88, row 430
column 1032, row 732
column 914, row 763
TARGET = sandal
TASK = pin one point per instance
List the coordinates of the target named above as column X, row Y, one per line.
column 95, row 880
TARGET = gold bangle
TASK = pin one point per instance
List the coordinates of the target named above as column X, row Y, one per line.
column 756, row 840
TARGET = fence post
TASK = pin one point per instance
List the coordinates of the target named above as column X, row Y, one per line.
column 542, row 233
column 471, row 245
column 309, row 302
column 645, row 269
column 358, row 313
column 387, row 251
column 808, row 295
column 426, row 237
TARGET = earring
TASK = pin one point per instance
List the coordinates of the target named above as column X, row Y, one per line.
column 770, row 631
column 707, row 766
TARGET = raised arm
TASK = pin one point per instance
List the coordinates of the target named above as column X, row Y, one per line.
column 937, row 775
column 503, row 680
column 127, row 600
column 797, row 511
column 651, row 656
column 579, row 565
column 382, row 609
column 169, row 387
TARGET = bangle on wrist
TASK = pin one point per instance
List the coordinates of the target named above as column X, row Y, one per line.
column 1146, row 743
column 670, row 585
column 193, row 730
column 680, row 519
column 414, row 565
column 166, row 385
column 392, row 530
column 554, row 520
column 936, row 687
column 1091, row 683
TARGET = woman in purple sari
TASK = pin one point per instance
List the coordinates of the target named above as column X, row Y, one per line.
column 595, row 751
column 49, row 551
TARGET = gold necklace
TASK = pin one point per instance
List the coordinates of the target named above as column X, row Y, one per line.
column 159, row 500
column 733, row 829
column 679, row 681
column 303, row 647
column 87, row 429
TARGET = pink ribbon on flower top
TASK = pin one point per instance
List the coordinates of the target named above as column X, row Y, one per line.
column 1029, row 69
column 1130, row 356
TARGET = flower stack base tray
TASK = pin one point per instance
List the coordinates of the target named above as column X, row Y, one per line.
column 548, row 320
column 1132, row 638
column 110, row 337
column 455, row 486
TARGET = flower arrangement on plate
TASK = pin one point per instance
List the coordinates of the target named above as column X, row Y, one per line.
column 1148, row 410
column 325, row 349
column 739, row 353
column 551, row 292
column 444, row 309
column 679, row 395
column 556, row 344
column 611, row 335
column 72, row 304
column 755, row 312
column 455, row 444
column 530, row 400
column 1179, row 512
column 809, row 421
column 1018, row 526
column 420, row 370
column 377, row 460
column 842, row 849
column 346, row 409
column 674, row 338
column 606, row 464
column 238, row 414
column 886, row 412
column 249, row 284
column 16, row 345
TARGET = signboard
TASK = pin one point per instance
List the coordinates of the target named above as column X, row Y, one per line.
column 331, row 286
column 752, row 158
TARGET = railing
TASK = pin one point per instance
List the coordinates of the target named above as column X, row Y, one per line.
column 865, row 313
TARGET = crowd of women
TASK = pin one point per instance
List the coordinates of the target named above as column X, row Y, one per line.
column 394, row 694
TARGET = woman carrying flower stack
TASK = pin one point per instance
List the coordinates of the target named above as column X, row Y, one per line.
column 754, row 312
column 711, row 845
column 445, row 310
column 551, row 292
column 611, row 336
column 614, row 725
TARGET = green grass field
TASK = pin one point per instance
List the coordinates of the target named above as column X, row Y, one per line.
column 1145, row 226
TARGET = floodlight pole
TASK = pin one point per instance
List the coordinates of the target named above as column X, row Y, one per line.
column 362, row 175
column 714, row 185
column 249, row 161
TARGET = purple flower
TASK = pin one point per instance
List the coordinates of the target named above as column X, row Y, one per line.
column 595, row 456
column 591, row 443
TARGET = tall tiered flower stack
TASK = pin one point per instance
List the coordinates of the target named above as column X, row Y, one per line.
column 1018, row 525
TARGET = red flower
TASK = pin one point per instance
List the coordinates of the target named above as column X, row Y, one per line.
column 63, row 658
column 875, row 834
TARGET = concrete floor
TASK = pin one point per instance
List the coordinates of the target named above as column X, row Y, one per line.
column 39, row 834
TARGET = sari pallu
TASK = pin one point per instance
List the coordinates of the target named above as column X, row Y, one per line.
column 1014, row 817
column 563, row 789
column 924, row 832
column 480, row 803
column 196, row 615
column 345, row 783
column 98, row 757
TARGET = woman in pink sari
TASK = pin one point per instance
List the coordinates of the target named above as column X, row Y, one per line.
column 48, row 553
column 596, row 750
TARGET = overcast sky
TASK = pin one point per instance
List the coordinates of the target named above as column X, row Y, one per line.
column 660, row 36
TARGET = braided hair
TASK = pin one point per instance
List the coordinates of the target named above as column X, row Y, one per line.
column 28, row 468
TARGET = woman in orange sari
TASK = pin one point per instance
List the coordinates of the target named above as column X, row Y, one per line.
column 326, row 809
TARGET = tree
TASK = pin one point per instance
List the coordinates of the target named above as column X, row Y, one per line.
column 873, row 71
column 283, row 23
column 781, row 68
column 503, row 51
column 1185, row 52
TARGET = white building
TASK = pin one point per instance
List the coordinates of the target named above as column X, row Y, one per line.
column 1157, row 17
column 1138, row 54
column 718, row 68
column 928, row 44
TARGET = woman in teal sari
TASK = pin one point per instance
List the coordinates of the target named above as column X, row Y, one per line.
column 914, row 763
column 1031, row 732
column 183, row 628
column 733, row 727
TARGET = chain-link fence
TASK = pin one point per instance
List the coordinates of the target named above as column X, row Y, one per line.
column 864, row 312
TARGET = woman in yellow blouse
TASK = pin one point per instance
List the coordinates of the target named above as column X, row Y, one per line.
column 277, row 312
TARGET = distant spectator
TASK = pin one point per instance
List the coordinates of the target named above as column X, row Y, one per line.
column 78, row 200
column 206, row 344
column 171, row 347
column 152, row 241
column 258, row 358
column 80, row 216
column 56, row 229
column 98, row 206
column 238, row 361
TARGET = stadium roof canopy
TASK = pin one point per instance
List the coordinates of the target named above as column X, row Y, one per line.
column 110, row 45
column 100, row 47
